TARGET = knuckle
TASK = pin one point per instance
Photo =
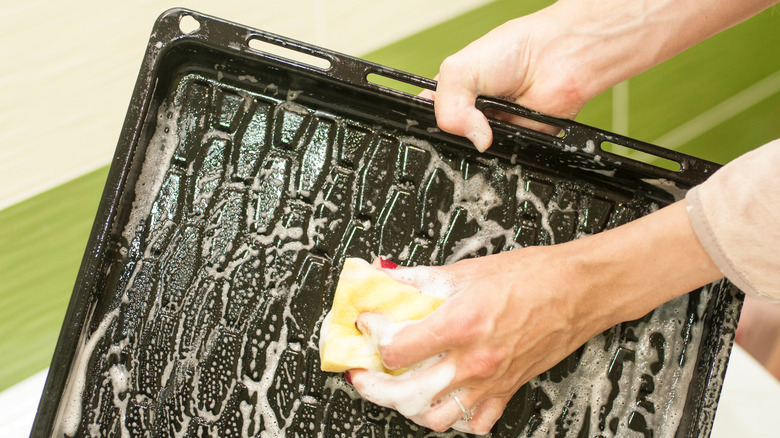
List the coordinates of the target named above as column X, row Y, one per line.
column 481, row 427
column 449, row 118
column 451, row 64
column 487, row 416
column 471, row 321
column 484, row 364
column 435, row 422
column 389, row 356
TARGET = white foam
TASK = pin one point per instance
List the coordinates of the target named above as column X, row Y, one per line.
column 157, row 159
column 120, row 384
column 404, row 393
column 429, row 281
column 259, row 389
column 69, row 415
column 476, row 196
column 668, row 186
column 592, row 386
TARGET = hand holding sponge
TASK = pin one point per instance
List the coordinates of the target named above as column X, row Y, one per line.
column 364, row 288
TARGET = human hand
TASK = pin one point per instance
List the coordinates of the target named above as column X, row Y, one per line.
column 505, row 323
column 526, row 61
column 513, row 315
column 558, row 58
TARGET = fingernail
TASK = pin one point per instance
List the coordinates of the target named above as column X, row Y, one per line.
column 386, row 264
column 347, row 377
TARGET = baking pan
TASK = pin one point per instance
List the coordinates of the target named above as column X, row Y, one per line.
column 242, row 180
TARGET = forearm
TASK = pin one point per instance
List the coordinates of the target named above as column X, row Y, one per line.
column 632, row 269
column 610, row 41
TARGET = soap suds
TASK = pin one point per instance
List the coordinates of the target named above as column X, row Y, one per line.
column 429, row 281
column 199, row 347
column 158, row 155
column 403, row 392
column 69, row 416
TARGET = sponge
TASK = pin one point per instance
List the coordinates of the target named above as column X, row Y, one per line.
column 364, row 288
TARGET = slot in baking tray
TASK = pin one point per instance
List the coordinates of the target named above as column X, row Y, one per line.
column 242, row 180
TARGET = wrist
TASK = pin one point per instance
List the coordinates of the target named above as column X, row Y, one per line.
column 630, row 270
column 601, row 44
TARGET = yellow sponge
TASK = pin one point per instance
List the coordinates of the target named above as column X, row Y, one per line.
column 364, row 288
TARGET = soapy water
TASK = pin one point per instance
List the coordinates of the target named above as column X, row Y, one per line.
column 223, row 270
column 430, row 282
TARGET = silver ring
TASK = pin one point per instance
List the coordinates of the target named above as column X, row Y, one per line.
column 466, row 413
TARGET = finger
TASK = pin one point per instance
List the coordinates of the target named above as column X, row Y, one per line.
column 410, row 393
column 485, row 416
column 428, row 94
column 402, row 351
column 457, row 406
column 403, row 344
column 407, row 343
column 456, row 94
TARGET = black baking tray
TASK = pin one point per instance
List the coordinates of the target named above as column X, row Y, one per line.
column 242, row 180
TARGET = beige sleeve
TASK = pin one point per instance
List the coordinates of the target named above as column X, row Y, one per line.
column 736, row 215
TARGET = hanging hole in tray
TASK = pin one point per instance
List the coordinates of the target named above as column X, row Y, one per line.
column 394, row 84
column 495, row 110
column 642, row 157
column 525, row 122
column 188, row 24
column 260, row 45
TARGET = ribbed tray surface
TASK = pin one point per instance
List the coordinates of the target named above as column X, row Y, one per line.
column 245, row 207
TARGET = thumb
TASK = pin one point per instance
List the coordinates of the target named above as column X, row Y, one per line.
column 429, row 94
column 406, row 343
column 456, row 113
